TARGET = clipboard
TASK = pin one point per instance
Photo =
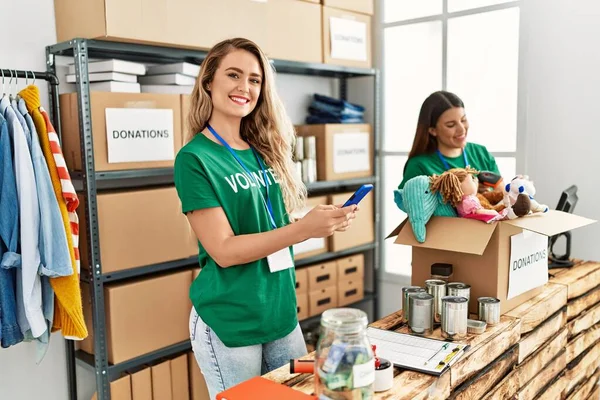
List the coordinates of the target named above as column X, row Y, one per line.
column 415, row 353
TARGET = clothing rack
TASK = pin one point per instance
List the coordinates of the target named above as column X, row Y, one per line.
column 54, row 109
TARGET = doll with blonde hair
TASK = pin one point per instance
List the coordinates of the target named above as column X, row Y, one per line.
column 458, row 186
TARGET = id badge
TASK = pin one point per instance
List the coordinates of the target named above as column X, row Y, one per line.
column 280, row 260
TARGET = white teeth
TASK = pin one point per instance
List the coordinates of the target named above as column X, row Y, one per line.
column 239, row 100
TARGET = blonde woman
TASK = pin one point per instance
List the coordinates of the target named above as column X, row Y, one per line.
column 236, row 182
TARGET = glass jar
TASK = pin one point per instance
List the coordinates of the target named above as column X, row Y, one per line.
column 345, row 364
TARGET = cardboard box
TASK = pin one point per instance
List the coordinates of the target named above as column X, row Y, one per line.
column 139, row 228
column 198, row 388
column 359, row 6
column 301, row 280
column 350, row 291
column 123, row 149
column 362, row 230
column 344, row 151
column 347, row 38
column 321, row 276
column 352, row 267
column 130, row 333
column 302, row 306
column 167, row 23
column 321, row 300
column 161, row 381
column 313, row 246
column 141, row 385
column 179, row 378
column 481, row 253
column 119, row 389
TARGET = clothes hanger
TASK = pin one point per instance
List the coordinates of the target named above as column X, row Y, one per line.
column 3, row 92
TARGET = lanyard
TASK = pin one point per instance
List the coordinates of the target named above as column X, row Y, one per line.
column 446, row 165
column 267, row 202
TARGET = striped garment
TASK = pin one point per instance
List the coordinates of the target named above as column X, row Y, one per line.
column 68, row 190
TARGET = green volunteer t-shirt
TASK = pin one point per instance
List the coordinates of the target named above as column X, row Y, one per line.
column 430, row 164
column 245, row 304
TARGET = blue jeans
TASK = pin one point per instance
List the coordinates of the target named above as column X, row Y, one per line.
column 224, row 367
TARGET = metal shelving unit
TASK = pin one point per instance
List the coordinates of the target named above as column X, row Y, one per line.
column 90, row 182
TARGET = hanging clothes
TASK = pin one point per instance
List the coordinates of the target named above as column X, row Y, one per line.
column 53, row 246
column 69, row 317
column 10, row 333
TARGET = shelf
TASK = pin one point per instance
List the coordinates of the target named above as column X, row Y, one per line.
column 135, row 178
column 161, row 54
column 334, row 254
column 115, row 371
column 316, row 318
column 150, row 270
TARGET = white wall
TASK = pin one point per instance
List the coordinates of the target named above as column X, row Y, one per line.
column 560, row 114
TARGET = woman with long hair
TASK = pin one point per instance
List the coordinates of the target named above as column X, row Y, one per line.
column 440, row 141
column 236, row 182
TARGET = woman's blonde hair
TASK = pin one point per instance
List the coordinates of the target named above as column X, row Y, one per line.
column 448, row 184
column 267, row 128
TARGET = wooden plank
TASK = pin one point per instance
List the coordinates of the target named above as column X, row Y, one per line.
column 540, row 335
column 547, row 374
column 583, row 366
column 389, row 322
column 582, row 342
column 538, row 309
column 595, row 395
column 555, row 390
column 478, row 386
column 579, row 279
column 407, row 385
column 525, row 372
column 586, row 388
column 485, row 348
column 585, row 321
column 579, row 304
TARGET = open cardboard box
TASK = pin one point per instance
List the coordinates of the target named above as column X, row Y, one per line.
column 481, row 253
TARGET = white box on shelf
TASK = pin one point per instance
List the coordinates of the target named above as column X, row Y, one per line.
column 170, row 89
column 106, row 76
column 183, row 68
column 115, row 87
column 167, row 79
column 125, row 67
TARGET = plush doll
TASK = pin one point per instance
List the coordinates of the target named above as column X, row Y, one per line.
column 420, row 203
column 492, row 200
column 519, row 198
column 458, row 186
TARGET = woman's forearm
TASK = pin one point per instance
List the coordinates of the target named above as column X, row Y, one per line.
column 242, row 249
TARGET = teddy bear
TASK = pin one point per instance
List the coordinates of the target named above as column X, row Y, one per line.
column 519, row 198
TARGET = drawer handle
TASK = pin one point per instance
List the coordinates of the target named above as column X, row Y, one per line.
column 351, row 292
column 351, row 270
column 323, row 278
column 324, row 301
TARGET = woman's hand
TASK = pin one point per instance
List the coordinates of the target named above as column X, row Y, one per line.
column 324, row 220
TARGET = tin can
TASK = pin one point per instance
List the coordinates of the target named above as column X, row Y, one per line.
column 436, row 288
column 299, row 148
column 455, row 313
column 420, row 318
column 309, row 170
column 405, row 292
column 489, row 310
column 310, row 147
column 459, row 289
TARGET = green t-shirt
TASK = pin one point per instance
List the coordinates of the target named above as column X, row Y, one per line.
column 245, row 304
column 430, row 164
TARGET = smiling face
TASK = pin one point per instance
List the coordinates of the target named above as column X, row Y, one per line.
column 451, row 129
column 236, row 85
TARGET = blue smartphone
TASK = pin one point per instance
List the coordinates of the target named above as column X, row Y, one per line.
column 358, row 195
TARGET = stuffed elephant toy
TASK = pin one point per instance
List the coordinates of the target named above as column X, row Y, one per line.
column 418, row 201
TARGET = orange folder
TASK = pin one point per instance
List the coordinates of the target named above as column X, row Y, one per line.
column 259, row 388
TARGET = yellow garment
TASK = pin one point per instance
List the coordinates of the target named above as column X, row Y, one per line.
column 69, row 316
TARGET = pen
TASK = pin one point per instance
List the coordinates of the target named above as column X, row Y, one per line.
column 444, row 347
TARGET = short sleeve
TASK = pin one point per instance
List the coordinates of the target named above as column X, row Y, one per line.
column 192, row 183
column 491, row 163
column 469, row 205
column 413, row 168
